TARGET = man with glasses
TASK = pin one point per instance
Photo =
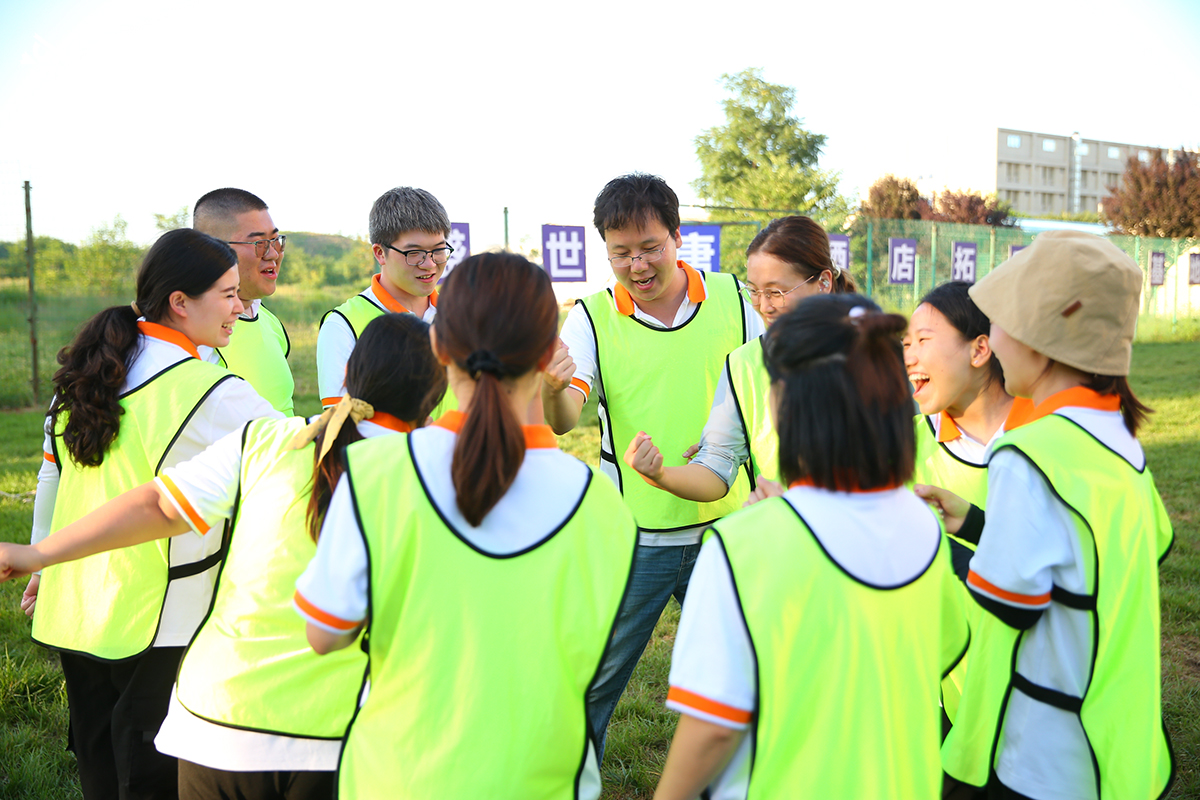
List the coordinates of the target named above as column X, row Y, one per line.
column 653, row 348
column 408, row 229
column 259, row 346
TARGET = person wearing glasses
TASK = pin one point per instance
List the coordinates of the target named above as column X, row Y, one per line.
column 786, row 262
column 259, row 348
column 653, row 347
column 408, row 229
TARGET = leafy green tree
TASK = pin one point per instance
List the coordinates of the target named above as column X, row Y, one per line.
column 169, row 222
column 107, row 262
column 762, row 157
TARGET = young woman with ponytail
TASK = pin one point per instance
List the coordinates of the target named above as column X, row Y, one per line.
column 818, row 624
column 134, row 396
column 486, row 565
column 255, row 713
column 785, row 263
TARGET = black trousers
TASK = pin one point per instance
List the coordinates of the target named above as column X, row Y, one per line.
column 204, row 783
column 116, row 708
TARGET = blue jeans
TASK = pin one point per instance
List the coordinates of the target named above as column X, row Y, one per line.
column 658, row 573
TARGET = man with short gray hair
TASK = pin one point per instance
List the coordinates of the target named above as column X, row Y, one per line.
column 408, row 228
column 258, row 347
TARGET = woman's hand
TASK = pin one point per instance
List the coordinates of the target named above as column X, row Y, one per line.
column 763, row 489
column 29, row 598
column 952, row 508
column 643, row 455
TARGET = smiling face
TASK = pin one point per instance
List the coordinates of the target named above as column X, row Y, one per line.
column 647, row 281
column 258, row 274
column 765, row 271
column 941, row 363
column 209, row 318
column 407, row 283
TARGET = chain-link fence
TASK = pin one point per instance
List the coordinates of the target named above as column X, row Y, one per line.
column 1170, row 299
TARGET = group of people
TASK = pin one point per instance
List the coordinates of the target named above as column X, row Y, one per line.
column 417, row 594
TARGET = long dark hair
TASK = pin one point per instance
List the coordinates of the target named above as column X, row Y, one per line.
column 393, row 368
column 93, row 367
column 953, row 302
column 844, row 416
column 804, row 245
column 496, row 319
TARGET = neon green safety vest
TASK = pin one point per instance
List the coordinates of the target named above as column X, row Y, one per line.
column 479, row 664
column 250, row 665
column 258, row 351
column 662, row 381
column 751, row 387
column 1123, row 531
column 109, row 605
column 358, row 312
column 842, row 667
column 937, row 466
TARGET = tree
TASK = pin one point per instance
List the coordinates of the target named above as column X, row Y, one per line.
column 762, row 157
column 107, row 262
column 169, row 222
column 1158, row 197
column 895, row 198
column 898, row 198
column 972, row 208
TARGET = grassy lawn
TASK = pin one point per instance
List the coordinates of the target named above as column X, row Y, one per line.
column 33, row 763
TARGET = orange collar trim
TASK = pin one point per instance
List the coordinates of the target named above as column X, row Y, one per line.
column 696, row 291
column 1075, row 397
column 392, row 423
column 851, row 489
column 947, row 428
column 163, row 333
column 391, row 303
column 537, row 437
column 1019, row 414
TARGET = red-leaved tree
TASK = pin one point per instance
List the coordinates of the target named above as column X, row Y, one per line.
column 1158, row 197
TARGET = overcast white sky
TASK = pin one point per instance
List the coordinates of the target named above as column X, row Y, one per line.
column 134, row 107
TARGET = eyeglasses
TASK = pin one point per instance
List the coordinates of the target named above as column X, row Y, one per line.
column 774, row 295
column 648, row 257
column 440, row 255
column 263, row 245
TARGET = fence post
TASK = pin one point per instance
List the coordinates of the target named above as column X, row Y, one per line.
column 870, row 266
column 932, row 257
column 992, row 251
column 1175, row 292
column 29, row 261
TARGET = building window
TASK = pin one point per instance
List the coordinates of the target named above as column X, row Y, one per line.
column 1143, row 156
column 1083, row 149
column 1049, row 145
column 1114, row 152
column 1014, row 141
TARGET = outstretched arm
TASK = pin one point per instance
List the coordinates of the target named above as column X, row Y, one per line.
column 137, row 516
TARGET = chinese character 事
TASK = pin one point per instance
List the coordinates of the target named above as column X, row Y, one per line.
column 697, row 249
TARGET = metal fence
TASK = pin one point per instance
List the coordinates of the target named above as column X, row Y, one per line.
column 1168, row 310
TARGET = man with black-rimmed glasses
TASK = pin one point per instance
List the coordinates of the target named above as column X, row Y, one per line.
column 259, row 346
column 408, row 229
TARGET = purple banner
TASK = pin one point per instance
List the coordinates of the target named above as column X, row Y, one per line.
column 839, row 251
column 460, row 240
column 701, row 246
column 902, row 260
column 562, row 252
column 962, row 260
column 1013, row 249
column 1158, row 269
column 1193, row 269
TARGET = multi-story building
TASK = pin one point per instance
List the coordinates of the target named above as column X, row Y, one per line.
column 1043, row 173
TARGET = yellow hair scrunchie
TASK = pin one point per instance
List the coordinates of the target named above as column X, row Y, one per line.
column 331, row 421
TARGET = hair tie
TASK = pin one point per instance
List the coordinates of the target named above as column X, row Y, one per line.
column 331, row 421
column 857, row 312
column 484, row 361
column 135, row 308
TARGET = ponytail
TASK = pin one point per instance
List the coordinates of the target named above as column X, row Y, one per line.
column 87, row 385
column 497, row 319
column 1133, row 411
column 844, row 416
column 392, row 368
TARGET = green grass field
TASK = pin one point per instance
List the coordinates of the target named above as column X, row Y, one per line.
column 33, row 763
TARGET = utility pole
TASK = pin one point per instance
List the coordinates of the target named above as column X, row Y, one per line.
column 33, row 338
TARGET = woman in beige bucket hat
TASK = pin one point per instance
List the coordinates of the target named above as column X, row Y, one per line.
column 1063, row 695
